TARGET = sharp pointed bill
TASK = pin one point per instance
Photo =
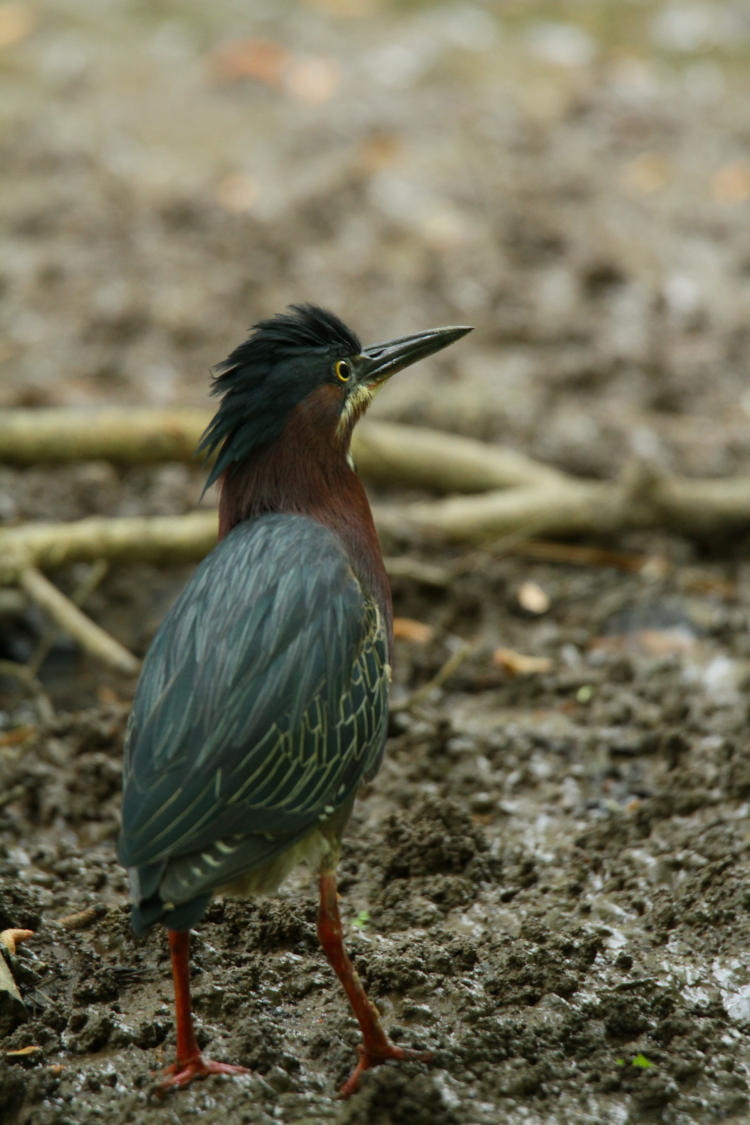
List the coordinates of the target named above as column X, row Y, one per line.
column 379, row 361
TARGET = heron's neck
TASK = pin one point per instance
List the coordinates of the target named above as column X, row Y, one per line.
column 303, row 473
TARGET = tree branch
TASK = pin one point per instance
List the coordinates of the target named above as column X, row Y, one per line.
column 697, row 507
column 166, row 539
column 384, row 452
column 75, row 623
column 513, row 497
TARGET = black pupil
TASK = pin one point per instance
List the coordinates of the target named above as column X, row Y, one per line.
column 344, row 371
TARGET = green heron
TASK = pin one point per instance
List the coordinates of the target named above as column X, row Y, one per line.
column 263, row 700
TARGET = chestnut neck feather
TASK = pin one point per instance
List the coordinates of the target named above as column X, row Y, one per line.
column 306, row 472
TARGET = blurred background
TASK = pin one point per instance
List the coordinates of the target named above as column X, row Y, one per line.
column 572, row 178
column 555, row 857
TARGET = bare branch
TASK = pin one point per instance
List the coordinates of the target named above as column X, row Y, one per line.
column 411, row 455
column 75, row 623
column 640, row 499
column 568, row 507
column 424, row 691
column 134, row 435
column 163, row 539
column 383, row 451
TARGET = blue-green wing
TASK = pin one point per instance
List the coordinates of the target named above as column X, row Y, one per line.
column 261, row 706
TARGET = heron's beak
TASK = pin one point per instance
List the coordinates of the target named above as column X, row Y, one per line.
column 378, row 362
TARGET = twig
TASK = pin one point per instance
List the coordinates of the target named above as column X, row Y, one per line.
column 576, row 554
column 31, row 685
column 418, row 571
column 424, row 691
column 81, row 593
column 83, row 918
column 75, row 623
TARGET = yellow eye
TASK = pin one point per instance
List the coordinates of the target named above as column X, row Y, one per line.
column 343, row 370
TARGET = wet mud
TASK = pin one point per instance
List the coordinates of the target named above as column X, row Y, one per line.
column 546, row 887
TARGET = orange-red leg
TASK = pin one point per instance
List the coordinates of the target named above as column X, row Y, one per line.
column 376, row 1047
column 190, row 1063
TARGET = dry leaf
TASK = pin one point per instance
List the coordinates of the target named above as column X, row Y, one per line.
column 407, row 629
column 377, row 151
column 648, row 173
column 106, row 694
column 83, row 918
column 16, row 22
column 311, row 80
column 517, row 664
column 577, row 555
column 23, row 1051
column 655, row 642
column 349, row 9
column 533, row 598
column 731, row 184
column 10, row 938
column 260, row 59
column 237, row 193
column 7, row 984
column 16, row 736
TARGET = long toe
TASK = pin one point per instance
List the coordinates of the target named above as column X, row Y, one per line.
column 180, row 1074
column 384, row 1053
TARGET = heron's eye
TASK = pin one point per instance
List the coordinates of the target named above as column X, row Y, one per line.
column 343, row 370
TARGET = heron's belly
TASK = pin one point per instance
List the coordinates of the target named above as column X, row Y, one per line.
column 320, row 848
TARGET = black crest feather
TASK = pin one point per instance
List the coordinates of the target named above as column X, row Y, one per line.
column 264, row 378
column 304, row 326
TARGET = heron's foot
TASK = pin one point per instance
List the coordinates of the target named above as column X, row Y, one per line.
column 182, row 1072
column 368, row 1058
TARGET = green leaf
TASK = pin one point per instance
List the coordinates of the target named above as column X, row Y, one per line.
column 641, row 1061
column 362, row 919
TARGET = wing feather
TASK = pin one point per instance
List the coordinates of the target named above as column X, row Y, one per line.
column 262, row 703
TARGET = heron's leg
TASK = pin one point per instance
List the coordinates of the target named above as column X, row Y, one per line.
column 190, row 1063
column 376, row 1047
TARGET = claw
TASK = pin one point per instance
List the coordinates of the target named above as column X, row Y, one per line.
column 182, row 1073
column 367, row 1060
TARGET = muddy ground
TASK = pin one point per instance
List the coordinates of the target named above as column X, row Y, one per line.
column 547, row 884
